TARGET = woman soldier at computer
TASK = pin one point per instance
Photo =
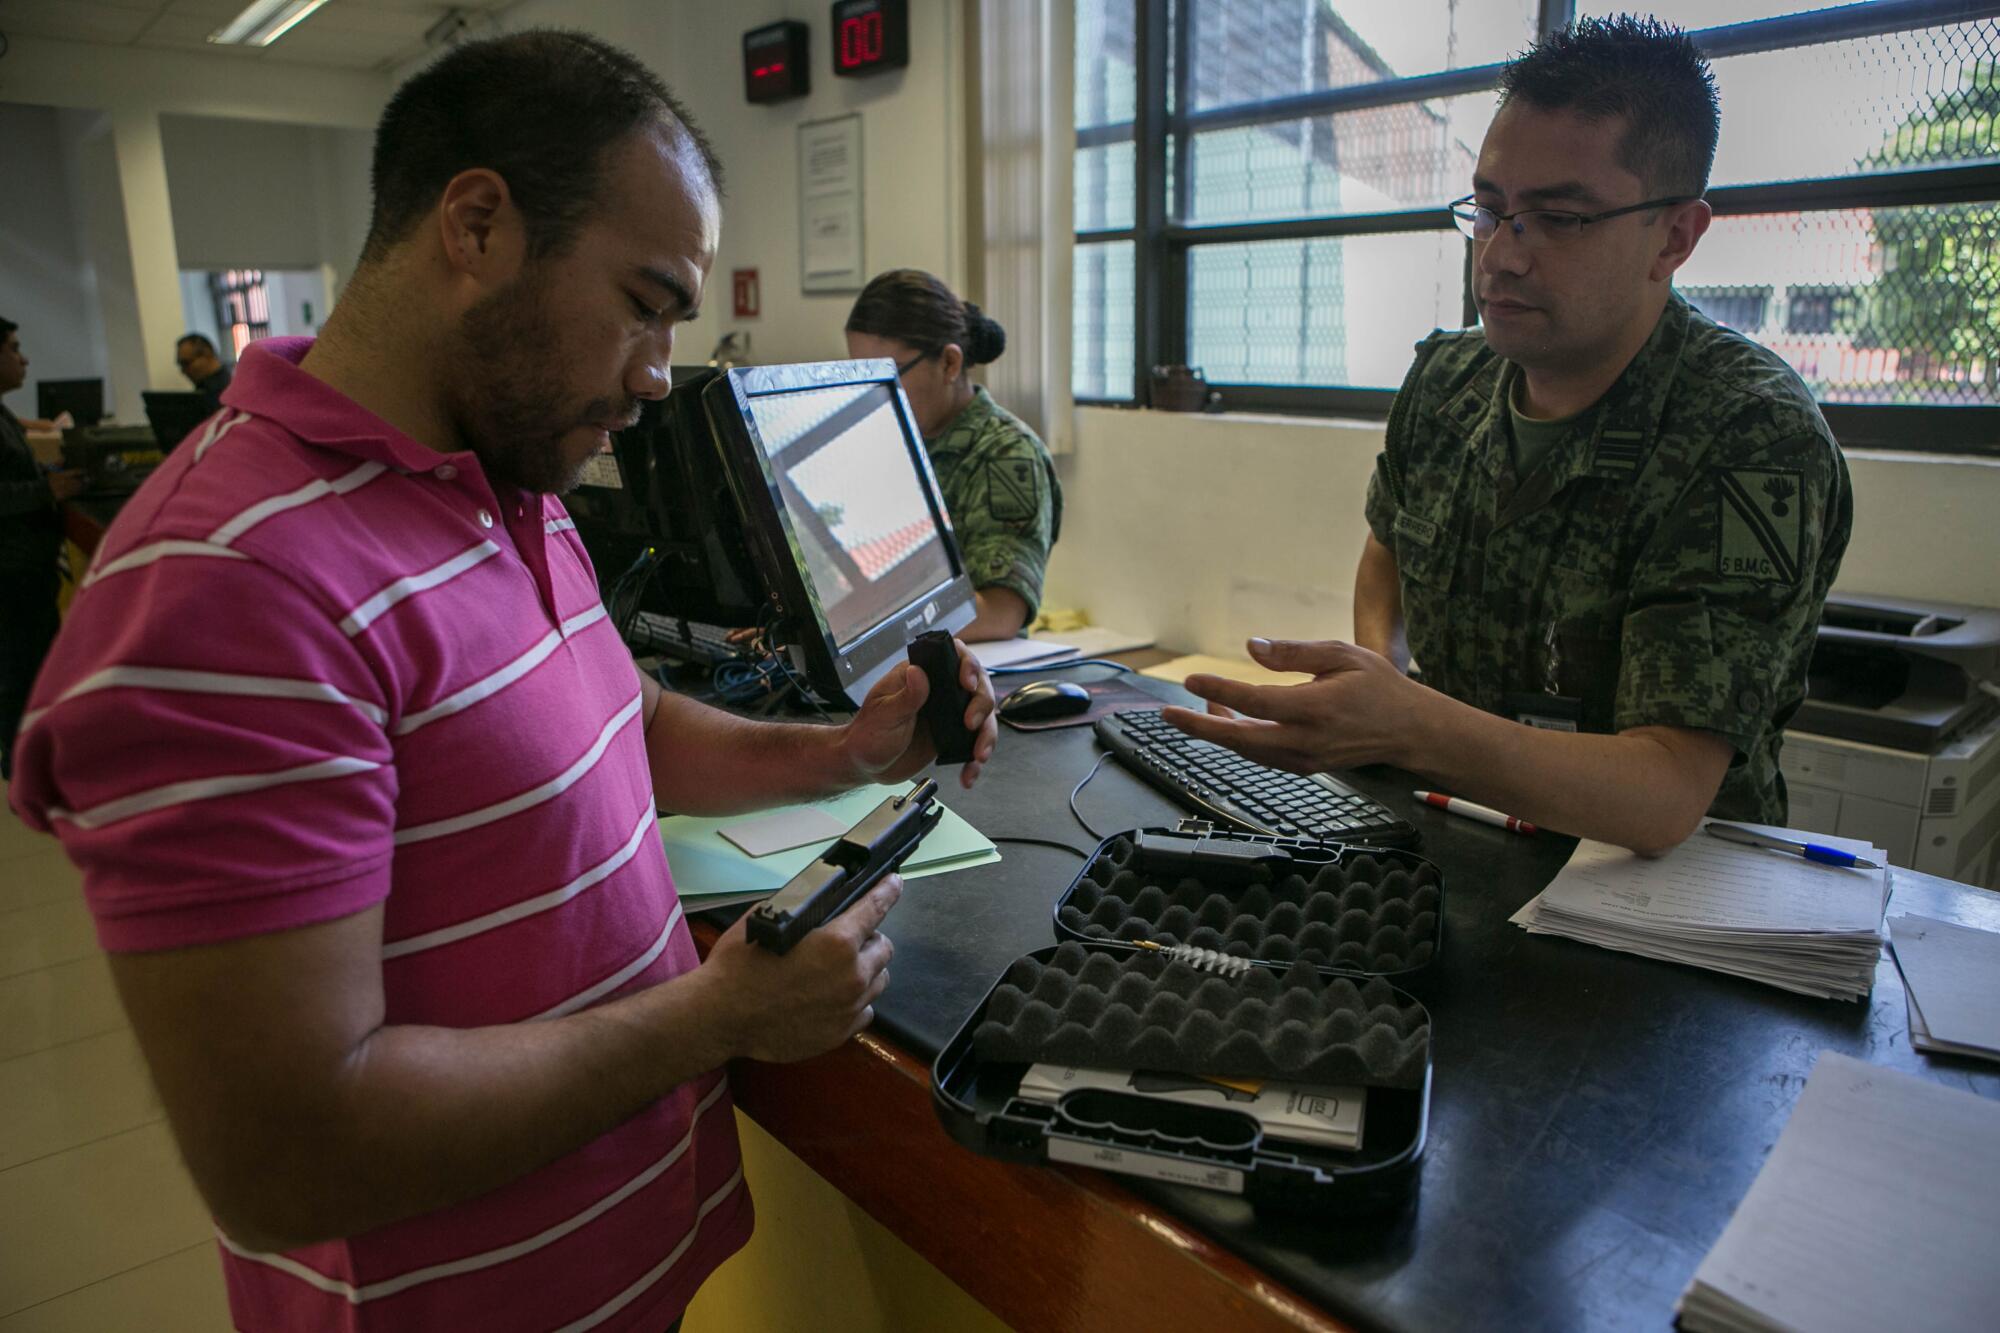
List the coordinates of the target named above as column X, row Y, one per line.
column 998, row 480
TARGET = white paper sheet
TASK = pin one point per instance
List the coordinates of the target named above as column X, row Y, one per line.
column 1706, row 882
column 1953, row 974
column 1879, row 1208
column 1020, row 652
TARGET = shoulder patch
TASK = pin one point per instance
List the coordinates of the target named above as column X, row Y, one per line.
column 1762, row 524
column 1014, row 489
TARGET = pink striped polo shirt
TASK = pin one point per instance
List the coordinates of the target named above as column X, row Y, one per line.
column 315, row 667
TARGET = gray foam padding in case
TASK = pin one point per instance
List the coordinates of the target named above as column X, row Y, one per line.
column 1366, row 914
column 1116, row 1011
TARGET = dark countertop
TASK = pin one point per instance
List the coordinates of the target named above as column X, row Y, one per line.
column 1595, row 1118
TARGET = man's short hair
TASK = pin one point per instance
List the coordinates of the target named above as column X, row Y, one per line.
column 199, row 340
column 1647, row 72
column 540, row 108
column 7, row 329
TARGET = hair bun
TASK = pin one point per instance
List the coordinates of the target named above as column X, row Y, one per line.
column 986, row 338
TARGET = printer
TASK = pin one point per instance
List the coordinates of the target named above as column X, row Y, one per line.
column 1898, row 740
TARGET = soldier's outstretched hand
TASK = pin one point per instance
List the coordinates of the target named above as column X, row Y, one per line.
column 1357, row 709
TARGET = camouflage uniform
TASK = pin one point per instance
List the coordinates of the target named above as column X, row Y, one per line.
column 1001, row 490
column 1663, row 565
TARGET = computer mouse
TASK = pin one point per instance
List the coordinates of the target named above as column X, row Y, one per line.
column 1044, row 700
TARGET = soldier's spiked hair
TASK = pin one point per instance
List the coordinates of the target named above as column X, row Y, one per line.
column 1648, row 73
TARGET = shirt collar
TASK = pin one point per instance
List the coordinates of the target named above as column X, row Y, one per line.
column 270, row 383
column 1611, row 439
column 969, row 418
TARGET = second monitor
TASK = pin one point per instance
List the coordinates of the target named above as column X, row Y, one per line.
column 842, row 514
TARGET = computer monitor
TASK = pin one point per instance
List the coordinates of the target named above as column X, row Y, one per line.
column 703, row 569
column 82, row 399
column 661, row 525
column 175, row 414
column 842, row 513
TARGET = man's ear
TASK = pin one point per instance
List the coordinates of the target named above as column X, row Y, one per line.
column 480, row 228
column 1686, row 225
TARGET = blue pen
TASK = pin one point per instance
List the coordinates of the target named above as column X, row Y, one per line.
column 1811, row 851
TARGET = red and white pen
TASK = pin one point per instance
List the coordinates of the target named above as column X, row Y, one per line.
column 1471, row 811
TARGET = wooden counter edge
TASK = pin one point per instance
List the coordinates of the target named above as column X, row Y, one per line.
column 1041, row 1247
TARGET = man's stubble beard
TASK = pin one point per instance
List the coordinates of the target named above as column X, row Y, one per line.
column 511, row 410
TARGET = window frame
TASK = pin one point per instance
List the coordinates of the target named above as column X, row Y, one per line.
column 1163, row 245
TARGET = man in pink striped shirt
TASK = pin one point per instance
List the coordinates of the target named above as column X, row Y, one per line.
column 363, row 783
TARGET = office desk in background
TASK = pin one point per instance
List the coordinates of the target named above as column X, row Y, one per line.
column 1595, row 1119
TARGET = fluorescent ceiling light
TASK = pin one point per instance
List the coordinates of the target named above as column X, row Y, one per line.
column 263, row 22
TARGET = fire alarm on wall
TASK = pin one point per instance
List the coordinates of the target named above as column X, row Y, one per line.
column 743, row 287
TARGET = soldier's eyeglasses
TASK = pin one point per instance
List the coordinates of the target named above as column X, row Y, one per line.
column 1541, row 227
column 913, row 363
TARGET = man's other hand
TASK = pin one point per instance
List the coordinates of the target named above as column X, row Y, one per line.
column 1357, row 709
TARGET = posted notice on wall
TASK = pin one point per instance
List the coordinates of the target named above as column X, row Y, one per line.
column 830, row 205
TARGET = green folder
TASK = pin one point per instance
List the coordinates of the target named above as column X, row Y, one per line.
column 709, row 871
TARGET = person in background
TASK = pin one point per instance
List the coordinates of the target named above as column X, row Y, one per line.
column 30, row 547
column 999, row 482
column 196, row 357
column 1606, row 524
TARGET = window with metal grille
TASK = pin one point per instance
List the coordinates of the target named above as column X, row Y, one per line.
column 1739, row 308
column 242, row 307
column 1260, row 189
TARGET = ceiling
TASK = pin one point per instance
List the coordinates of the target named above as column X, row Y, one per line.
column 341, row 34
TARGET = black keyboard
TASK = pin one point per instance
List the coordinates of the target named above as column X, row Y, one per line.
column 1222, row 785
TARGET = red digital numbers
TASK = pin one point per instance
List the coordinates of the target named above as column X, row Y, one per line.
column 870, row 37
column 861, row 40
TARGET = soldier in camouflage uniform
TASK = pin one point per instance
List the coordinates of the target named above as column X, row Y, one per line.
column 1609, row 560
column 999, row 482
column 1006, row 505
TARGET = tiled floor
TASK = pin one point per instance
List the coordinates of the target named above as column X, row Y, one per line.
column 100, row 1228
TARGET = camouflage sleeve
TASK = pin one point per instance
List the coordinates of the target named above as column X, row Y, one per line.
column 1727, row 594
column 1007, row 521
column 1381, row 504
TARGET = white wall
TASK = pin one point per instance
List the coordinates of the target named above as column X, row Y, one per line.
column 198, row 310
column 255, row 194
column 912, row 152
column 47, row 286
column 98, row 201
column 1205, row 530
column 93, row 77
column 114, row 98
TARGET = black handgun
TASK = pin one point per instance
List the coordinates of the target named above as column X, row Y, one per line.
column 855, row 864
column 1221, row 862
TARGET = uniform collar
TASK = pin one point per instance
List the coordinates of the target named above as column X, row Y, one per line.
column 970, row 417
column 1611, row 439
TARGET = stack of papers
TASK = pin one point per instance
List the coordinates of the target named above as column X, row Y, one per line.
column 710, row 871
column 1324, row 1117
column 1766, row 915
column 1951, row 980
column 1879, row 1208
column 996, row 653
column 1054, row 649
column 1098, row 640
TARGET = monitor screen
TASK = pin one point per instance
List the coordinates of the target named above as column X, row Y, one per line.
column 866, row 536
